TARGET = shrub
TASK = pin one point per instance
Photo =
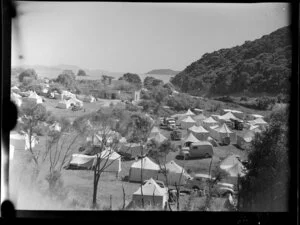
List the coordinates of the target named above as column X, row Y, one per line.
column 264, row 103
column 29, row 73
column 244, row 98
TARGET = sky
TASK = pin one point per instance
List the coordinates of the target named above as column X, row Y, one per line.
column 136, row 37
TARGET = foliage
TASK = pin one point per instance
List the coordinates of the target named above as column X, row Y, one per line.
column 67, row 79
column 262, row 65
column 81, row 73
column 132, row 78
column 138, row 128
column 265, row 186
column 150, row 82
column 264, row 103
column 29, row 73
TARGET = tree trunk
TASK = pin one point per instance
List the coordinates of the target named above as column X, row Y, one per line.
column 96, row 179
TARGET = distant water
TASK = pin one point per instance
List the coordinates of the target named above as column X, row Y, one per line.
column 164, row 78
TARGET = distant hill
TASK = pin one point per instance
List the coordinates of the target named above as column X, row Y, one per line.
column 54, row 71
column 163, row 72
column 259, row 66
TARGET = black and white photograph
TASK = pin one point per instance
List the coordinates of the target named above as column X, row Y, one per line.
column 150, row 106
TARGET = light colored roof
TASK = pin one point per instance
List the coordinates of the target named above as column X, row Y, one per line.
column 224, row 129
column 198, row 129
column 232, row 110
column 259, row 121
column 209, row 120
column 188, row 120
column 15, row 88
column 147, row 164
column 214, row 127
column 236, row 170
column 254, row 128
column 175, row 168
column 201, row 143
column 227, row 116
column 109, row 154
column 189, row 113
column 155, row 130
column 190, row 138
column 229, row 162
column 158, row 137
column 150, row 188
column 248, row 136
column 257, row 116
column 199, row 117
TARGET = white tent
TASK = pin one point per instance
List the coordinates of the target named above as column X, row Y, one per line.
column 17, row 99
column 199, row 118
column 199, row 132
column 110, row 161
column 158, row 137
column 189, row 139
column 227, row 117
column 175, row 174
column 221, row 132
column 189, row 113
column 150, row 170
column 63, row 104
column 55, row 127
column 209, row 122
column 153, row 132
column 66, row 95
column 232, row 165
column 33, row 96
column 132, row 149
column 243, row 141
column 254, row 128
column 187, row 122
column 151, row 194
column 259, row 122
column 257, row 116
column 75, row 102
column 21, row 142
column 81, row 160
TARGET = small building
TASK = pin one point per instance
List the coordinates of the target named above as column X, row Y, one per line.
column 106, row 80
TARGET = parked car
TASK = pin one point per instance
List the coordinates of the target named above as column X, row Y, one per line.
column 197, row 150
column 176, row 135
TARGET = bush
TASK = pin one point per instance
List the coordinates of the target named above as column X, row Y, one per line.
column 244, row 98
column 264, row 103
column 29, row 73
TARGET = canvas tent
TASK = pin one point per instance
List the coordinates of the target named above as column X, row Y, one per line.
column 64, row 104
column 110, row 161
column 153, row 132
column 254, row 128
column 227, row 117
column 158, row 137
column 17, row 99
column 175, row 174
column 189, row 113
column 259, row 122
column 66, row 95
column 222, row 132
column 33, row 96
column 209, row 122
column 232, row 165
column 189, row 139
column 55, row 127
column 75, row 102
column 150, row 170
column 187, row 122
column 199, row 119
column 82, row 161
column 199, row 132
column 21, row 141
column 244, row 141
column 151, row 194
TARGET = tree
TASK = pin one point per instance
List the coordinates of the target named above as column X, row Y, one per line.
column 100, row 124
column 81, row 73
column 30, row 73
column 132, row 78
column 32, row 115
column 67, row 78
column 265, row 186
column 150, row 82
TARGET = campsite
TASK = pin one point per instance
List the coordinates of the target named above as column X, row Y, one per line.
column 210, row 134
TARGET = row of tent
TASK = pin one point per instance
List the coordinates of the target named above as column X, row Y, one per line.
column 26, row 96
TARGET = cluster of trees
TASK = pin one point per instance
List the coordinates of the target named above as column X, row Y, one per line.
column 263, row 65
column 265, row 187
column 150, row 82
column 132, row 78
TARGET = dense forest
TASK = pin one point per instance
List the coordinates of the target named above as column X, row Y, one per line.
column 259, row 66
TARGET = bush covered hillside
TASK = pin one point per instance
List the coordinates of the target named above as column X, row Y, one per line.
column 262, row 65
